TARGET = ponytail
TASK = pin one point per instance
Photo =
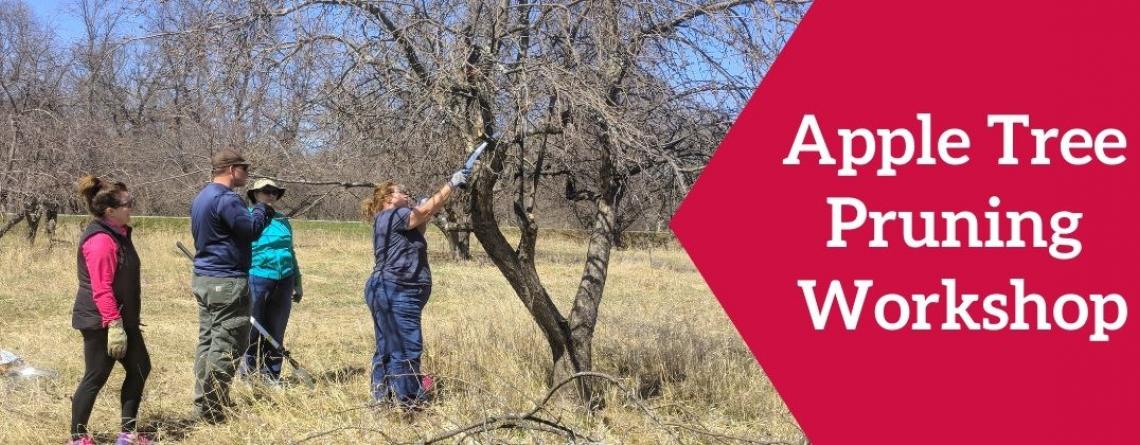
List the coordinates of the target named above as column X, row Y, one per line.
column 99, row 194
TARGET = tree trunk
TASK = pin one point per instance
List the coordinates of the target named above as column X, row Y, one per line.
column 584, row 315
column 458, row 238
column 455, row 230
column 460, row 242
column 619, row 240
column 33, row 213
column 518, row 268
column 12, row 223
column 9, row 163
column 51, row 212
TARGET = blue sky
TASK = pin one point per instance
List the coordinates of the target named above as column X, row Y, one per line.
column 59, row 15
column 63, row 17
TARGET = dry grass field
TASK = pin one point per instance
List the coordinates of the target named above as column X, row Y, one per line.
column 690, row 377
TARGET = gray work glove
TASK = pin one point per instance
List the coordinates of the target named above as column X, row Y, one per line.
column 459, row 178
column 116, row 340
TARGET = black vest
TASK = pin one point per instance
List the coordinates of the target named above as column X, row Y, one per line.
column 126, row 285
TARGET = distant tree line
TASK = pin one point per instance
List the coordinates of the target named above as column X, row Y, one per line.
column 603, row 112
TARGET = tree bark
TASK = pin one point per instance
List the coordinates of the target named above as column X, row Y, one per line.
column 456, row 230
column 51, row 213
column 33, row 212
column 584, row 315
column 12, row 223
column 460, row 242
column 518, row 268
column 11, row 159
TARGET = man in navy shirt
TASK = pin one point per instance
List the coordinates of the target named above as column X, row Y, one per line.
column 224, row 231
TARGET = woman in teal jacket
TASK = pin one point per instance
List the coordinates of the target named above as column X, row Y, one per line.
column 274, row 285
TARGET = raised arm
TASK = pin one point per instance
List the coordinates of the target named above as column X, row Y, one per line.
column 246, row 225
column 423, row 213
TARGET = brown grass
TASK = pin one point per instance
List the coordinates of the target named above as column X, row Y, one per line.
column 660, row 331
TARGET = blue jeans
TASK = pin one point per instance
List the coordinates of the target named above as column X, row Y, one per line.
column 270, row 304
column 396, row 315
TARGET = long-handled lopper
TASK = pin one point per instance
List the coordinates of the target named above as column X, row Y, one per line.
column 298, row 371
column 474, row 156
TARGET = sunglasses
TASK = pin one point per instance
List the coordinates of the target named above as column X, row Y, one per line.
column 129, row 203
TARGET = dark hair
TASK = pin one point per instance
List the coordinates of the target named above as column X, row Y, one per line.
column 98, row 194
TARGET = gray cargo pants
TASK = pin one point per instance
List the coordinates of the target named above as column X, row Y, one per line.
column 223, row 335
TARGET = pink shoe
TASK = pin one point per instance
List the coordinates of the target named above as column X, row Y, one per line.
column 126, row 438
column 85, row 440
column 427, row 383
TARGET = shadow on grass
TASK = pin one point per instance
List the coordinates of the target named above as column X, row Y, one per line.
column 338, row 376
column 164, row 427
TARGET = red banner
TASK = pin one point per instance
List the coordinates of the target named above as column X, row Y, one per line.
column 923, row 223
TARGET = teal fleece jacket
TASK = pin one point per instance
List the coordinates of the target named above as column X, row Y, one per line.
column 273, row 255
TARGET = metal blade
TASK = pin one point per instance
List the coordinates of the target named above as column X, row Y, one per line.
column 265, row 334
column 470, row 164
column 474, row 156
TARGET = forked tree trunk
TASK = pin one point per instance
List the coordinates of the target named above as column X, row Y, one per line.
column 517, row 266
column 570, row 340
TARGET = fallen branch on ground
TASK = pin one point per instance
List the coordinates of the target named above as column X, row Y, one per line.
column 532, row 421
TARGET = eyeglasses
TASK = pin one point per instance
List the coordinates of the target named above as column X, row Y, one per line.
column 129, row 203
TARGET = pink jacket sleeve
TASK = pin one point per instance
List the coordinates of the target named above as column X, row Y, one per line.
column 102, row 256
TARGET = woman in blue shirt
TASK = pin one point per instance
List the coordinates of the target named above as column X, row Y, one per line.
column 274, row 284
column 399, row 287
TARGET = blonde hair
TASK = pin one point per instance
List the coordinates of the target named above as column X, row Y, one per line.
column 372, row 205
column 99, row 194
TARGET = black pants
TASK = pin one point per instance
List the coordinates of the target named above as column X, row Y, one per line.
column 98, row 369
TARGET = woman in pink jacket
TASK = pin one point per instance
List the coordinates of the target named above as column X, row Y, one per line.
column 107, row 309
